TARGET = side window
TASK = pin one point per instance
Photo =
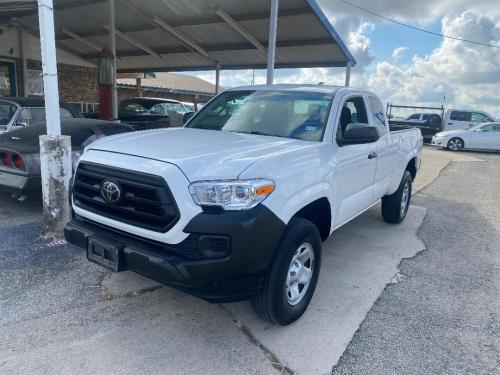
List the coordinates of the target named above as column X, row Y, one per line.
column 353, row 111
column 479, row 118
column 415, row 116
column 377, row 111
column 24, row 117
column 491, row 128
column 460, row 116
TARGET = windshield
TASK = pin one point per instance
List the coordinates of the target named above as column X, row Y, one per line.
column 7, row 111
column 280, row 113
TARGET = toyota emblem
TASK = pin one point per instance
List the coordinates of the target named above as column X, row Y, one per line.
column 110, row 192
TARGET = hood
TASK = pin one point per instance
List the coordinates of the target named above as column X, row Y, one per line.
column 451, row 132
column 200, row 154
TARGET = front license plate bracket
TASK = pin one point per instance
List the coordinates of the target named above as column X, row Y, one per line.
column 105, row 253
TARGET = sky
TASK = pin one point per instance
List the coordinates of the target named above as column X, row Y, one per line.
column 405, row 66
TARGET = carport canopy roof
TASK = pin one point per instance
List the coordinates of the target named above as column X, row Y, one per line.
column 172, row 35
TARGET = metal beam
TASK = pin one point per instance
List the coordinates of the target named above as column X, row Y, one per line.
column 217, row 78
column 271, row 50
column 189, row 68
column 24, row 61
column 82, row 40
column 134, row 42
column 239, row 29
column 223, row 47
column 196, row 21
column 348, row 74
column 112, row 50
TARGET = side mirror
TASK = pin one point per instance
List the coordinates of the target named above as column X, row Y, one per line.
column 187, row 116
column 357, row 134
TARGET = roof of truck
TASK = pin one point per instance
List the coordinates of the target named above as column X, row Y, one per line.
column 291, row 87
column 327, row 89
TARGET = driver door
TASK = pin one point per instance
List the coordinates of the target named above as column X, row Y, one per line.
column 356, row 164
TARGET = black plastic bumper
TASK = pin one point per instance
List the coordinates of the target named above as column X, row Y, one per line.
column 243, row 244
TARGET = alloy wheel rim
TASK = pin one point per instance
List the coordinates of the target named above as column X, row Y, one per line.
column 404, row 198
column 299, row 273
column 455, row 145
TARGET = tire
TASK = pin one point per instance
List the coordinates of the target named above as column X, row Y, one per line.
column 395, row 206
column 455, row 144
column 281, row 299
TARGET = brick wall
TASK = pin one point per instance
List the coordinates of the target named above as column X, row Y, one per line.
column 76, row 83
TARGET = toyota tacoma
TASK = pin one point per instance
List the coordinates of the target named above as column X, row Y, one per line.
column 235, row 205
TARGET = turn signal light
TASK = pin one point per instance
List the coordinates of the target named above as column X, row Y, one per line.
column 17, row 161
column 6, row 159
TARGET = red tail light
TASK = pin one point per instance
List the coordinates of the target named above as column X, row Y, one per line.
column 18, row 161
column 6, row 159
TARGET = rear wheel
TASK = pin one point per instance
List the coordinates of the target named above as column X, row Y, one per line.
column 395, row 206
column 455, row 144
column 293, row 275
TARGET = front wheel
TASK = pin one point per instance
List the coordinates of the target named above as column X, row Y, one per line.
column 395, row 206
column 293, row 275
column 455, row 144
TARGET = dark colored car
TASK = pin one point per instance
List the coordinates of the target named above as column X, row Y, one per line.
column 150, row 113
column 18, row 112
column 20, row 150
column 428, row 123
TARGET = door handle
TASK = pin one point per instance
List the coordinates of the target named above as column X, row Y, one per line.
column 372, row 155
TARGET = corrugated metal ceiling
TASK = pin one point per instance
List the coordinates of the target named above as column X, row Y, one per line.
column 305, row 36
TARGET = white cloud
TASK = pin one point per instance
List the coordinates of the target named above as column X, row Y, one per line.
column 399, row 52
column 469, row 75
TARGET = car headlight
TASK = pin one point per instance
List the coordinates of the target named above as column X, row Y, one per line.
column 231, row 194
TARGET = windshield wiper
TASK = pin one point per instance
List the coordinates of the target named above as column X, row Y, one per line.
column 255, row 132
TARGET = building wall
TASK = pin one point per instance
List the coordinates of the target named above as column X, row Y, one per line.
column 76, row 83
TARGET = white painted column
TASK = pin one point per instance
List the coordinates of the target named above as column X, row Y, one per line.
column 271, row 48
column 112, row 50
column 55, row 150
column 348, row 74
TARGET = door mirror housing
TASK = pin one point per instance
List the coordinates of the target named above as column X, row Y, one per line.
column 357, row 134
column 187, row 116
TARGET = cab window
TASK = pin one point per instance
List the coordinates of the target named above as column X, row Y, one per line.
column 460, row 116
column 479, row 117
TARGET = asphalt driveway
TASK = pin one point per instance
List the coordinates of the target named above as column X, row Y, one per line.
column 436, row 311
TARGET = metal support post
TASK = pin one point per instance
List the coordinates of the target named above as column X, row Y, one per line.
column 271, row 48
column 55, row 150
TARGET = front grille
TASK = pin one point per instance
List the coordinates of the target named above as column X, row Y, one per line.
column 146, row 200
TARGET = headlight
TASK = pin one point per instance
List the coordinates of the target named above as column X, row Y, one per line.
column 231, row 194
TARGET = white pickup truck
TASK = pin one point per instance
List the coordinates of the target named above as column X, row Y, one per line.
column 235, row 205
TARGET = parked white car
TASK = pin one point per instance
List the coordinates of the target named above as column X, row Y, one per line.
column 458, row 119
column 235, row 204
column 479, row 137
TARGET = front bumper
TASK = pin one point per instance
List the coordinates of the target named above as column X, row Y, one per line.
column 231, row 272
column 440, row 142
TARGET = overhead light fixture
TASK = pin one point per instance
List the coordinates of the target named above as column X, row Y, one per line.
column 134, row 42
column 240, row 29
column 74, row 35
column 165, row 26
